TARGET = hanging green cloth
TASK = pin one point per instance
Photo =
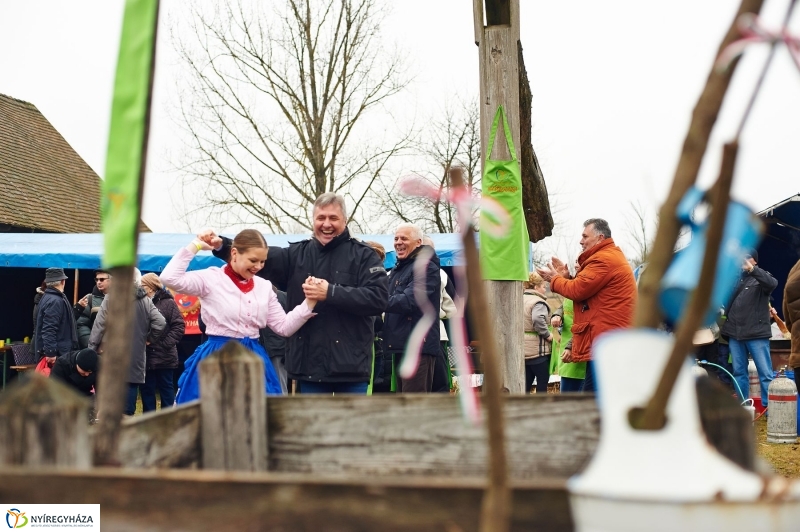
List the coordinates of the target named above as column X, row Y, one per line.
column 126, row 139
column 573, row 370
column 504, row 257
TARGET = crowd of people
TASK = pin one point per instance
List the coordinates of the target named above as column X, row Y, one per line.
column 325, row 314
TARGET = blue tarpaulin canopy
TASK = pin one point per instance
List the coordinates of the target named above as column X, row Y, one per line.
column 84, row 251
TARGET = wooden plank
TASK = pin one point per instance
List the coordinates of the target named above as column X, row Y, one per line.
column 425, row 435
column 208, row 500
column 167, row 438
column 44, row 423
column 233, row 410
column 477, row 20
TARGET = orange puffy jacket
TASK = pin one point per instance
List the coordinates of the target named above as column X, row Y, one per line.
column 604, row 292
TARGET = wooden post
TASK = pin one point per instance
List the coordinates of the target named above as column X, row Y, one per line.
column 233, row 410
column 112, row 380
column 499, row 73
column 44, row 424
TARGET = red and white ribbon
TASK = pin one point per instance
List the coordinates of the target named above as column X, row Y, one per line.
column 753, row 31
column 496, row 223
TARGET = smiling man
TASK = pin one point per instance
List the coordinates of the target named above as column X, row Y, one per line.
column 403, row 312
column 603, row 292
column 333, row 352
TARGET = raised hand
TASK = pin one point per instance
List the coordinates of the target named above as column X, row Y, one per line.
column 545, row 273
column 211, row 238
column 556, row 321
column 559, row 267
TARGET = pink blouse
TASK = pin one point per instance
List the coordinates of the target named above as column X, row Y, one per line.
column 226, row 310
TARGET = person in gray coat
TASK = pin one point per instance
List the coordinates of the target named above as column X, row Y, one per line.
column 148, row 327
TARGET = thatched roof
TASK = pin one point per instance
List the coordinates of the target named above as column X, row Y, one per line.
column 44, row 184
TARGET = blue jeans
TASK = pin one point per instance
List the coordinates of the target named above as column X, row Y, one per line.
column 589, row 384
column 357, row 388
column 160, row 379
column 759, row 350
column 130, row 400
column 570, row 385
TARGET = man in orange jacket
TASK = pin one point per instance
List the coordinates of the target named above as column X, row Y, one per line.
column 603, row 289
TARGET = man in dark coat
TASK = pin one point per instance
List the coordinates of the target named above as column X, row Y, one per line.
column 275, row 345
column 77, row 369
column 331, row 353
column 791, row 314
column 747, row 324
column 55, row 333
column 89, row 305
column 403, row 312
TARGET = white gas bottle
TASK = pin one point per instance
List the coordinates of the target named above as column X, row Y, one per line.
column 755, row 385
column 782, row 421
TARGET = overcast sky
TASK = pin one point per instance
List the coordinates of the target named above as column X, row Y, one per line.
column 614, row 84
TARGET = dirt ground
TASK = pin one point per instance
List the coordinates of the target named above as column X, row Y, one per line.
column 783, row 457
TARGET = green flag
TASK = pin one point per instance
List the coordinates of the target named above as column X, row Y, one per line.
column 504, row 257
column 127, row 136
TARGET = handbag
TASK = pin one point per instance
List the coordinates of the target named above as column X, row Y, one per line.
column 43, row 367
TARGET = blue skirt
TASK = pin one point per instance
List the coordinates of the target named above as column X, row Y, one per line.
column 189, row 382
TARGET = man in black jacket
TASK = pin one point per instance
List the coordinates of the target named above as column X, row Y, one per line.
column 333, row 352
column 55, row 333
column 747, row 324
column 78, row 369
column 403, row 312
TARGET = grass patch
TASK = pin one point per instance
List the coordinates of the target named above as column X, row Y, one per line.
column 783, row 457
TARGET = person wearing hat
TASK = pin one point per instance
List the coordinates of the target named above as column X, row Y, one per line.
column 55, row 334
column 87, row 308
column 747, row 325
column 78, row 370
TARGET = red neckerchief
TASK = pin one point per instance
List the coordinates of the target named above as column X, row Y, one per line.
column 238, row 280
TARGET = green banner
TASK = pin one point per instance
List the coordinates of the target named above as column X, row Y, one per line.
column 126, row 140
column 504, row 257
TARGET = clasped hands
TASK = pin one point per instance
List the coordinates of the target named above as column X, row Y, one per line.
column 556, row 267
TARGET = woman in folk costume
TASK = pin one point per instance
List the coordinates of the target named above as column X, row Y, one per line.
column 236, row 304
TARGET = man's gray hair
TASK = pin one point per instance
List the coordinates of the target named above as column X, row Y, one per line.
column 600, row 226
column 416, row 232
column 54, row 284
column 331, row 198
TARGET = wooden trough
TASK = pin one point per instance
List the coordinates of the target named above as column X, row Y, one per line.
column 237, row 459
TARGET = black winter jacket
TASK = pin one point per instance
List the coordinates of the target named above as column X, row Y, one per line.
column 403, row 312
column 55, row 333
column 163, row 354
column 273, row 343
column 748, row 311
column 64, row 369
column 86, row 316
column 336, row 344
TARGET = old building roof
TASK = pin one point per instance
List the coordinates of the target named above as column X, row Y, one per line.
column 44, row 184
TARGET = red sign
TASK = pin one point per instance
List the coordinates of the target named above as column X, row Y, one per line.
column 190, row 308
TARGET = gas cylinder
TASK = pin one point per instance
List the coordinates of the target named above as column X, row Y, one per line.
column 782, row 421
column 755, row 386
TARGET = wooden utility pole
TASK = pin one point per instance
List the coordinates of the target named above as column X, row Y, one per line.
column 499, row 71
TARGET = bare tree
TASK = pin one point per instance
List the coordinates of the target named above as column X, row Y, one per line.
column 639, row 232
column 275, row 105
column 453, row 139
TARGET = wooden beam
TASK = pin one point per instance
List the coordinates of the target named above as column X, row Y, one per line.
column 499, row 85
column 209, row 500
column 546, row 436
column 477, row 20
column 167, row 438
column 233, row 410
